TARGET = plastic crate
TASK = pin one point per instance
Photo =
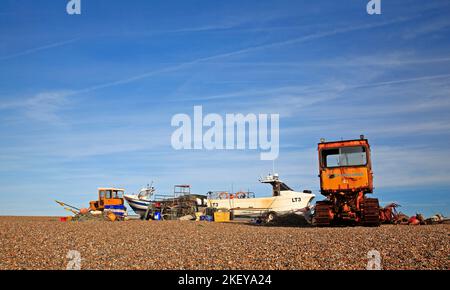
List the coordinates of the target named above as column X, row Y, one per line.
column 222, row 217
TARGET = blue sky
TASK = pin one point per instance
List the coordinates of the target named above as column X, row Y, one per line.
column 86, row 100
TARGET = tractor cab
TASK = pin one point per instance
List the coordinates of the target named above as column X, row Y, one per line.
column 345, row 166
column 108, row 197
column 345, row 172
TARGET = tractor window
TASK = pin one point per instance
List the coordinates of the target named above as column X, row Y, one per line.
column 345, row 156
column 102, row 194
column 108, row 194
column 117, row 194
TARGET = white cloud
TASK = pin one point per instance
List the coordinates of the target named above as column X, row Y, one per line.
column 428, row 28
column 37, row 49
column 42, row 107
column 292, row 41
column 404, row 166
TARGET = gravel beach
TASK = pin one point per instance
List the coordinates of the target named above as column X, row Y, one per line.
column 43, row 243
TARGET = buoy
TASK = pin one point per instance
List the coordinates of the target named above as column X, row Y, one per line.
column 84, row 210
column 112, row 217
column 413, row 221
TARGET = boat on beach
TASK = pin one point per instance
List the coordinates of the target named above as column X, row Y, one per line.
column 140, row 202
column 182, row 202
column 284, row 201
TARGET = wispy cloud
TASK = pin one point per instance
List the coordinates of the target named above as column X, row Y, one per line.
column 42, row 107
column 422, row 128
column 428, row 28
column 393, row 60
column 292, row 41
column 399, row 81
column 37, row 49
column 69, row 145
column 354, row 61
column 419, row 166
column 203, row 28
column 298, row 93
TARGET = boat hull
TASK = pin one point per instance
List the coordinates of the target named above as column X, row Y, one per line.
column 139, row 206
column 288, row 202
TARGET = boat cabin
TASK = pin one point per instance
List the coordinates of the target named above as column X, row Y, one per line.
column 277, row 184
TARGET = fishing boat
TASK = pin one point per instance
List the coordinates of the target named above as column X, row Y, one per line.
column 181, row 203
column 140, row 202
column 284, row 201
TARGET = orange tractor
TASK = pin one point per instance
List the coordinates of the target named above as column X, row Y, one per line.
column 345, row 179
column 109, row 199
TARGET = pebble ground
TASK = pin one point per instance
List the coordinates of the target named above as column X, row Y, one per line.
column 43, row 243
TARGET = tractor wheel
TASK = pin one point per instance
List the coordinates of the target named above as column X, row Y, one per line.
column 322, row 214
column 371, row 212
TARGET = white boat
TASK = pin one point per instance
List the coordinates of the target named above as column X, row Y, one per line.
column 284, row 201
column 140, row 202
